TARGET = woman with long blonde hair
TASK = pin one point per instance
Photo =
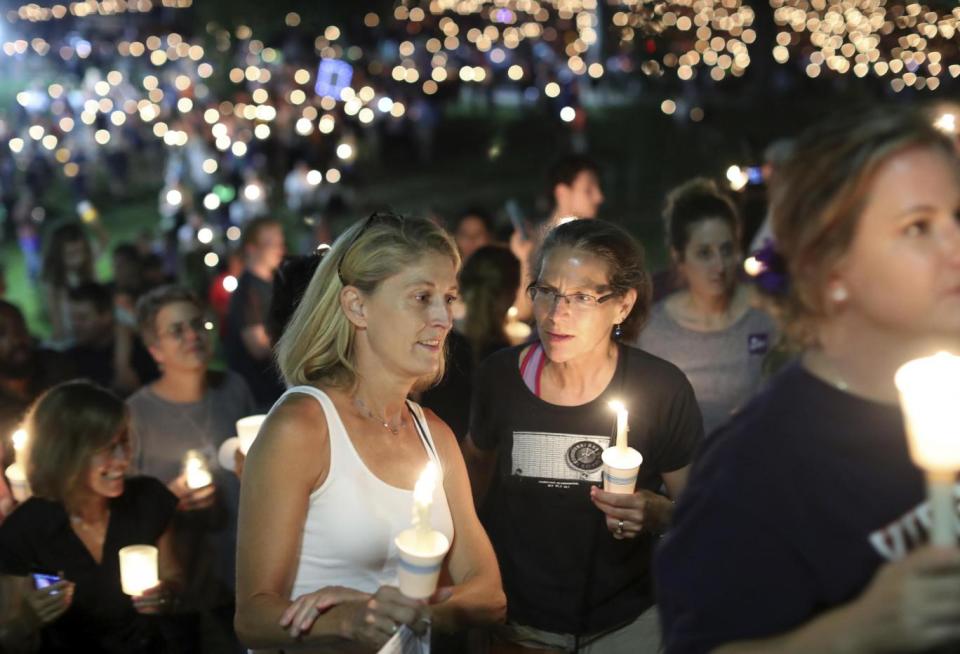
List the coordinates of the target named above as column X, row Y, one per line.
column 328, row 483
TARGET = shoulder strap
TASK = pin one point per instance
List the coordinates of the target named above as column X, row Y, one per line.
column 422, row 431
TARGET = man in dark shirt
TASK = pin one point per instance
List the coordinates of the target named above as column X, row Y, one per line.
column 104, row 351
column 246, row 342
column 25, row 372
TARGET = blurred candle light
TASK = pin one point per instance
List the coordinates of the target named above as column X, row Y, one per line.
column 927, row 388
column 138, row 568
column 195, row 470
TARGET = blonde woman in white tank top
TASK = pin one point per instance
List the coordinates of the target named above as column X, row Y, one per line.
column 328, row 483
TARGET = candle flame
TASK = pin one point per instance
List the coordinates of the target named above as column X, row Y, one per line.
column 512, row 313
column 927, row 387
column 423, row 491
column 617, row 406
column 19, row 439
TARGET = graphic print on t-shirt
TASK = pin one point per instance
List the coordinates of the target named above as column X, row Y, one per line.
column 558, row 459
column 758, row 343
column 894, row 541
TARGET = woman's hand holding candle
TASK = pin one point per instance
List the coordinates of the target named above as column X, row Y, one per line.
column 912, row 605
column 640, row 511
column 303, row 612
column 376, row 620
column 154, row 600
column 192, row 499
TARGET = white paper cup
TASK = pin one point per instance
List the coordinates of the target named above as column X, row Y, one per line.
column 420, row 562
column 247, row 430
column 226, row 455
column 620, row 470
column 138, row 568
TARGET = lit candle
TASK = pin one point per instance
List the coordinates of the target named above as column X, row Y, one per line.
column 927, row 389
column 195, row 470
column 622, row 428
column 16, row 473
column 138, row 568
column 423, row 500
column 517, row 332
column 421, row 549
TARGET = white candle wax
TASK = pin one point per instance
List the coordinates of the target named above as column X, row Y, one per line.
column 138, row 568
column 622, row 428
column 931, row 413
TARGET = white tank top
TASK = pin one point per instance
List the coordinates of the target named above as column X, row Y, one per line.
column 354, row 516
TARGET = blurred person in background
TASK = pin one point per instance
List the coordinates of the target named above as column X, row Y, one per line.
column 191, row 407
column 472, row 230
column 488, row 286
column 573, row 188
column 26, row 370
column 105, row 351
column 68, row 262
column 709, row 329
column 247, row 343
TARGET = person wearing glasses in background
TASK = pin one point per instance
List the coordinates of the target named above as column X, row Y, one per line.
column 328, row 483
column 83, row 511
column 192, row 408
column 576, row 560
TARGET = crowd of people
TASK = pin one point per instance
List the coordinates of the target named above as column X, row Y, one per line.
column 776, row 507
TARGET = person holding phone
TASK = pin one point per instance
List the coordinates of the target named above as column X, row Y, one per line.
column 83, row 511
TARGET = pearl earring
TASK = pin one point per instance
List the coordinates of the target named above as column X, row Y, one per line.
column 839, row 293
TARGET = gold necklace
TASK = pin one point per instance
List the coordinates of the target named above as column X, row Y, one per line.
column 373, row 416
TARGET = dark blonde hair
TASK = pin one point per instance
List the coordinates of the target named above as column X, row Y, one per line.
column 622, row 254
column 151, row 304
column 66, row 426
column 317, row 345
column 819, row 195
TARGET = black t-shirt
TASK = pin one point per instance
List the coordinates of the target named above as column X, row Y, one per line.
column 47, row 368
column 450, row 399
column 562, row 569
column 96, row 363
column 789, row 511
column 250, row 306
column 38, row 536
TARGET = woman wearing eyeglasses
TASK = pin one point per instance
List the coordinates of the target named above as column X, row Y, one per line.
column 328, row 484
column 189, row 408
column 575, row 559
column 83, row 511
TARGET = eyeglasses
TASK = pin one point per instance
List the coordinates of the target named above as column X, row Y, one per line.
column 545, row 296
column 118, row 450
column 375, row 217
column 178, row 331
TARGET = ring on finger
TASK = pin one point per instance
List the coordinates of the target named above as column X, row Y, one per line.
column 619, row 527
